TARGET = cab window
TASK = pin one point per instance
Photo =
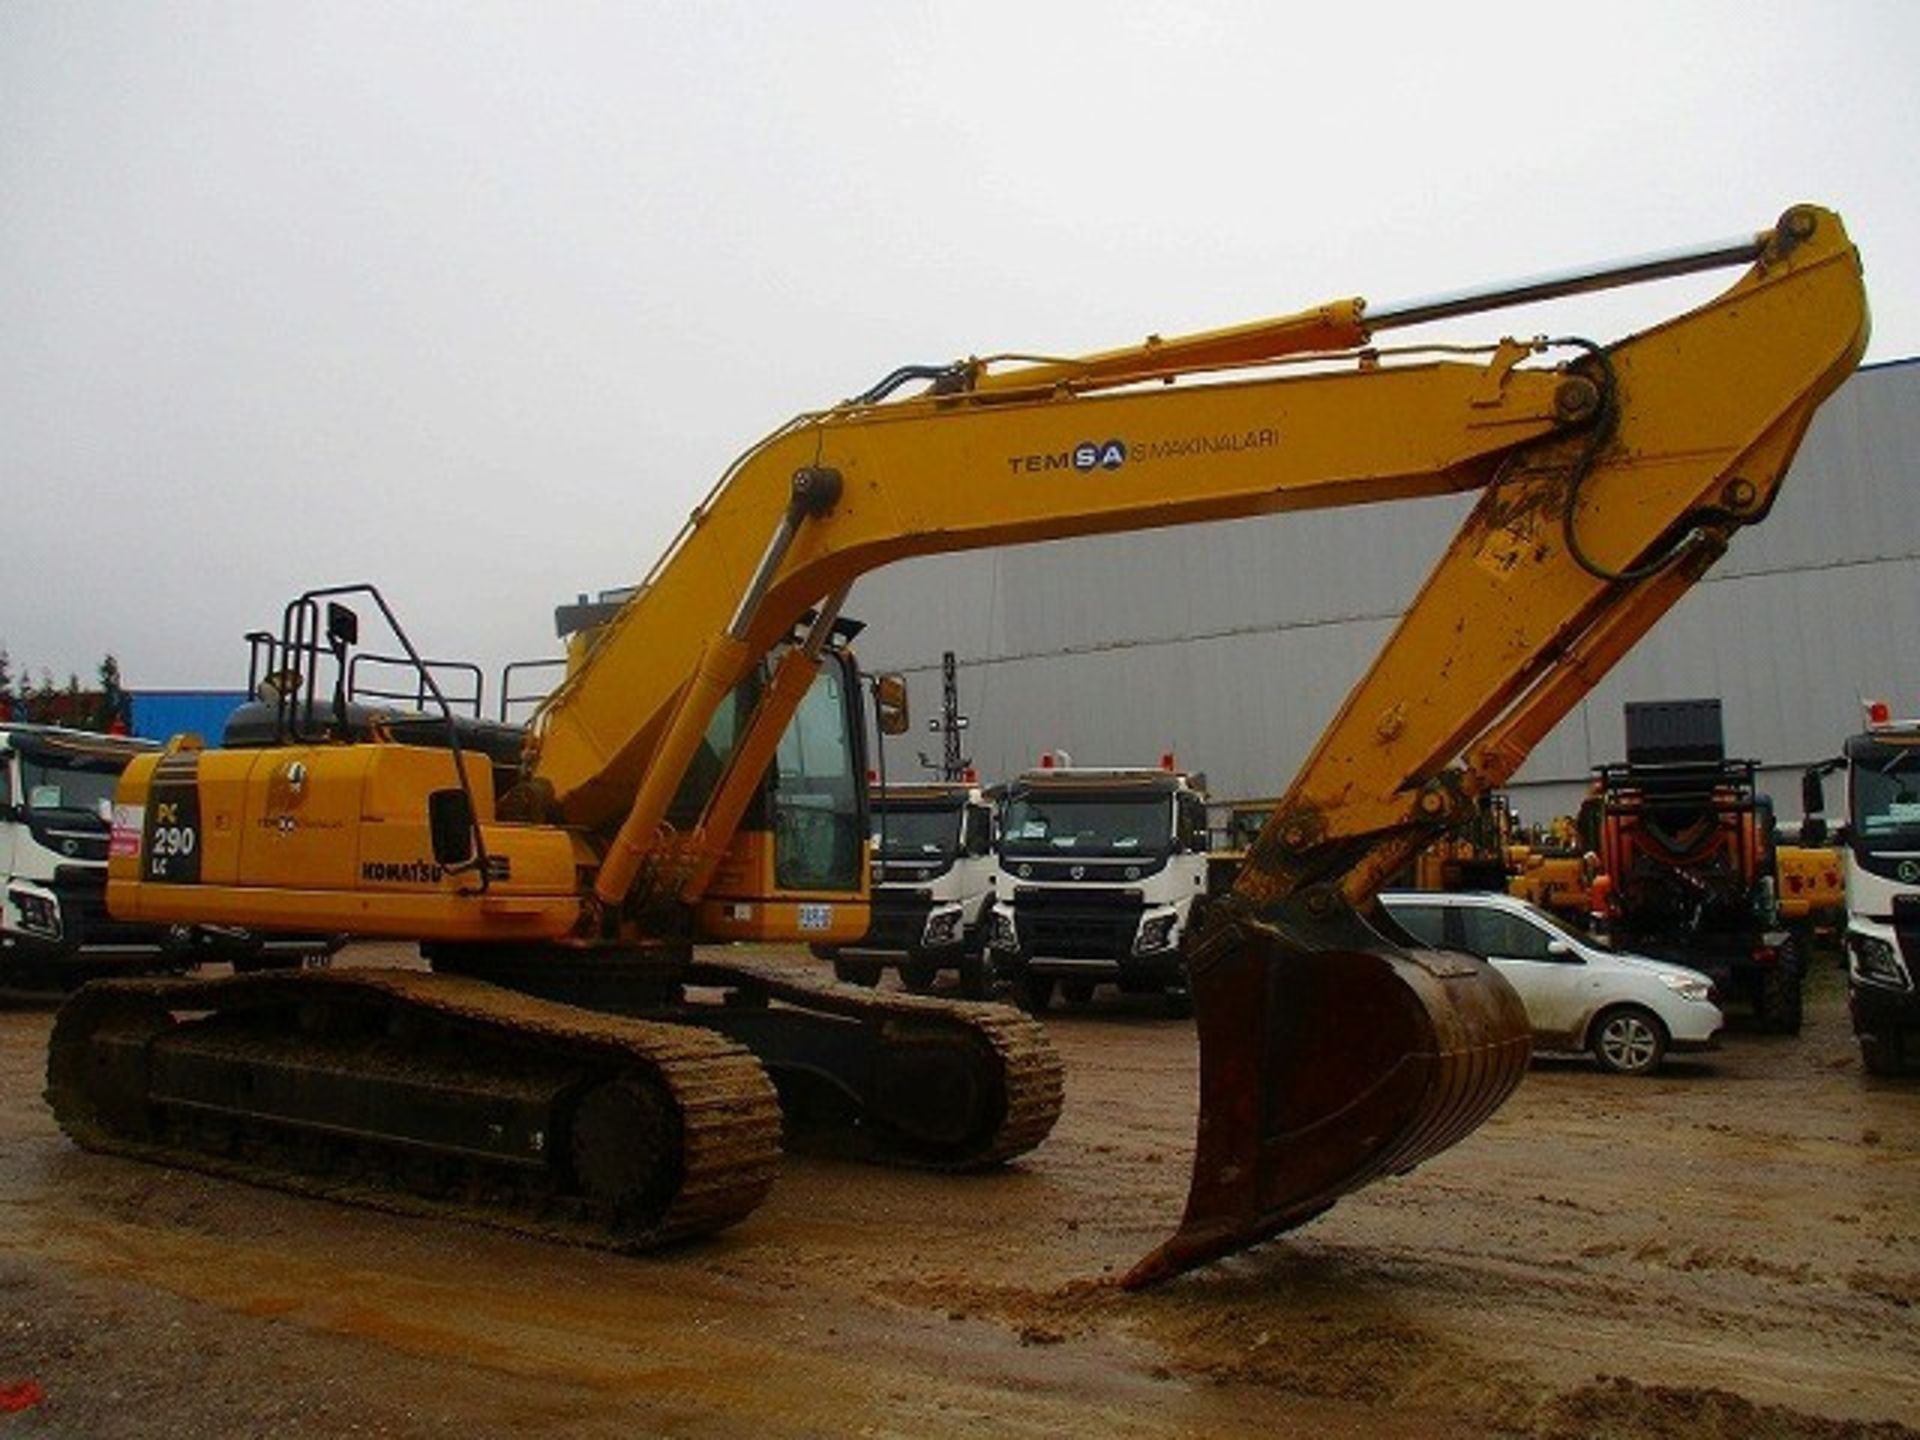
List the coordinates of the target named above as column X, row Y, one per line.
column 1489, row 933
column 818, row 796
column 1425, row 923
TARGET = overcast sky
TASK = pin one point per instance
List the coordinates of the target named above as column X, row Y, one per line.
column 474, row 301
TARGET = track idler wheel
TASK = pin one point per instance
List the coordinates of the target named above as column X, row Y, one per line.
column 1329, row 1057
column 624, row 1147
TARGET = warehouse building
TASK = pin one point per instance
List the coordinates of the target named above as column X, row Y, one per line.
column 1230, row 645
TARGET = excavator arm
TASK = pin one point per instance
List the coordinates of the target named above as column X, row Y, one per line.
column 1609, row 482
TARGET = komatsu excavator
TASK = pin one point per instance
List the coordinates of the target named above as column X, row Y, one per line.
column 699, row 777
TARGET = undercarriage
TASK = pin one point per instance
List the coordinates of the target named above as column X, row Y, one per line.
column 447, row 1095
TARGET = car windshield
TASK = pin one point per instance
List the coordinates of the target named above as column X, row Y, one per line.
column 1077, row 824
column 920, row 834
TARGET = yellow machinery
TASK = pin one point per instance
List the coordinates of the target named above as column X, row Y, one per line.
column 1812, row 886
column 698, row 777
column 1555, row 870
column 1480, row 855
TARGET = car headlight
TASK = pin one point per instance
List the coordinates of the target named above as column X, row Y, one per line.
column 1155, row 934
column 1688, row 987
column 1876, row 960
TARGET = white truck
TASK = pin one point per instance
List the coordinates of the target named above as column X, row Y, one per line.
column 56, row 819
column 933, row 868
column 1102, row 873
column 57, row 825
column 1881, row 841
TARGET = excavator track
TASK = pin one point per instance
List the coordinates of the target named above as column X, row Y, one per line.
column 425, row 1095
column 933, row 1084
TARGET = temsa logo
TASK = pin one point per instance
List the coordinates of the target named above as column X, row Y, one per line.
column 1086, row 456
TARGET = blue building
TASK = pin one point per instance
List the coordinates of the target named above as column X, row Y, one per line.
column 162, row 714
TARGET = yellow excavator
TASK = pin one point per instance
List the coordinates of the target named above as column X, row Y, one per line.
column 572, row 1066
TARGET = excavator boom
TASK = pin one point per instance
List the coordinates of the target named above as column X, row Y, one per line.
column 1608, row 484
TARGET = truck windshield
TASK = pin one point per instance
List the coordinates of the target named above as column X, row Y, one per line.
column 1087, row 825
column 917, row 834
column 49, row 786
column 1886, row 797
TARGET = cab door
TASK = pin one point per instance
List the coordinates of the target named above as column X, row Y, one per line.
column 1549, row 973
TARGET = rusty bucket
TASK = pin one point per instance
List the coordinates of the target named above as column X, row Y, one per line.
column 1329, row 1056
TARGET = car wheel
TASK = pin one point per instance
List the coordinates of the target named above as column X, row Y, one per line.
column 1077, row 992
column 1627, row 1040
column 918, row 976
column 857, row 972
column 1883, row 1054
column 1179, row 1002
column 1780, row 1002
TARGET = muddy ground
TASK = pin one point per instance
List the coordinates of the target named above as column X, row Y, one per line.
column 1729, row 1249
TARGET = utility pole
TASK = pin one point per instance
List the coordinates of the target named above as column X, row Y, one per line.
column 952, row 765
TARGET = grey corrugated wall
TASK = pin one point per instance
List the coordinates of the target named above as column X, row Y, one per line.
column 1232, row 644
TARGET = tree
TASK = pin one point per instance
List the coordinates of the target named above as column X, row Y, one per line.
column 115, row 713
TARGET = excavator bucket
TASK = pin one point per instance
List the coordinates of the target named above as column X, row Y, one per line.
column 1329, row 1057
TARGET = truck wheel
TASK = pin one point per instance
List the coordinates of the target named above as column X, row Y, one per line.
column 1179, row 1002
column 1883, row 1054
column 1627, row 1040
column 976, row 977
column 1036, row 992
column 1780, row 1003
column 918, row 975
column 1077, row 992
column 857, row 972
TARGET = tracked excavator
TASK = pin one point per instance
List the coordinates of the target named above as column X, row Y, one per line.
column 573, row 1066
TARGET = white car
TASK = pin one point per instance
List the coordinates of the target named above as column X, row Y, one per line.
column 1628, row 1010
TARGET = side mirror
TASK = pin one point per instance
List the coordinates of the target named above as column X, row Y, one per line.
column 343, row 626
column 1559, row 949
column 1813, row 830
column 890, row 704
column 450, row 821
column 1813, row 793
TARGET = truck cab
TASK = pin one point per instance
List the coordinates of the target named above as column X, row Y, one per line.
column 1102, row 873
column 56, row 823
column 1881, row 840
column 933, row 868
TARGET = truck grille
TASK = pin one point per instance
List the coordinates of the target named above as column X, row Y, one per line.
column 1077, row 926
column 897, row 922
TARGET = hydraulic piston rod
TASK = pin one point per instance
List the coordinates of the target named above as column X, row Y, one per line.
column 1611, row 275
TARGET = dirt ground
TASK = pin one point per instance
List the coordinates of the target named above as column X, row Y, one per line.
column 1731, row 1249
